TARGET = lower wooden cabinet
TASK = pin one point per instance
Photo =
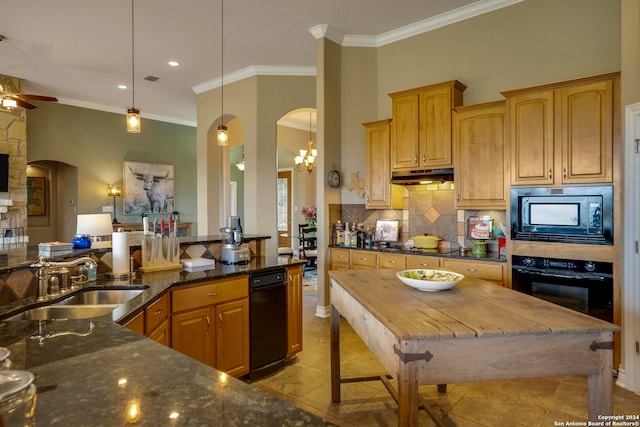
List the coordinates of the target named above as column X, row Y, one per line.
column 294, row 311
column 210, row 323
column 232, row 337
column 363, row 259
column 419, row 261
column 487, row 270
column 395, row 261
column 339, row 259
column 153, row 322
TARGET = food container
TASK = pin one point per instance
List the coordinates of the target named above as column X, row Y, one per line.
column 17, row 398
column 426, row 242
column 479, row 248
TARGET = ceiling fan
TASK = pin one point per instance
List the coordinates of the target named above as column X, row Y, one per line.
column 11, row 100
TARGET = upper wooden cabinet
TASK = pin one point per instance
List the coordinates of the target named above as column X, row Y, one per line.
column 380, row 193
column 421, row 126
column 563, row 133
column 481, row 162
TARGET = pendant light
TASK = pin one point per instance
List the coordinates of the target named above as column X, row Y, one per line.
column 133, row 114
column 223, row 134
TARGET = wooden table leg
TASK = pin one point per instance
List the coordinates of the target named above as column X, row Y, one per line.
column 601, row 385
column 335, row 355
column 408, row 394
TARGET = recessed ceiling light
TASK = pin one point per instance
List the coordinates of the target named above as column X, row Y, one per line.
column 122, row 86
column 174, row 63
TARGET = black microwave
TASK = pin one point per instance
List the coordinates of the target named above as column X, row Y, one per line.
column 564, row 214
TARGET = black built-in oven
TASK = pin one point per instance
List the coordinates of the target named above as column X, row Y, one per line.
column 584, row 286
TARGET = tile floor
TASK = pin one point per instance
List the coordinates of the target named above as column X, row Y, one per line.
column 541, row 402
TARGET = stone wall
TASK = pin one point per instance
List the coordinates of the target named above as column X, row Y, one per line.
column 13, row 140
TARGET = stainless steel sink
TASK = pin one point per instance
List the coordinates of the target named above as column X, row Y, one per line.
column 84, row 305
column 64, row 312
column 101, row 297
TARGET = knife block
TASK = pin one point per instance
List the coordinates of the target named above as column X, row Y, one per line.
column 160, row 253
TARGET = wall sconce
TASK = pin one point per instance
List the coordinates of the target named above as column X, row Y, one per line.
column 95, row 225
column 114, row 192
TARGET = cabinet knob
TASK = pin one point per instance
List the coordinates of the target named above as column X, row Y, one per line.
column 550, row 176
column 208, row 323
column 213, row 294
column 415, row 159
column 157, row 312
column 392, row 261
column 220, row 320
column 472, row 269
column 564, row 172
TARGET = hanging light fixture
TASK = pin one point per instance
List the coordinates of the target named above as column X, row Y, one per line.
column 307, row 159
column 223, row 134
column 133, row 114
column 240, row 164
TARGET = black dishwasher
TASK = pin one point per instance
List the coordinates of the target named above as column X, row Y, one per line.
column 267, row 322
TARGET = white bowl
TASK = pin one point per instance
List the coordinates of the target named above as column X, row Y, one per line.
column 434, row 280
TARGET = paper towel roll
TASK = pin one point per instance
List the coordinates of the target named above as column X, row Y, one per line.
column 120, row 252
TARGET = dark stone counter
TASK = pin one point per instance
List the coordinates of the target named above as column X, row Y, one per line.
column 94, row 379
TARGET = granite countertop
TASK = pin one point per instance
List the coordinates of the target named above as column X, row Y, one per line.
column 79, row 375
column 23, row 257
column 442, row 253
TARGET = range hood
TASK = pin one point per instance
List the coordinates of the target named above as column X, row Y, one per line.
column 422, row 176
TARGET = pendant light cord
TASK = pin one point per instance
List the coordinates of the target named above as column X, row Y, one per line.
column 133, row 62
column 222, row 62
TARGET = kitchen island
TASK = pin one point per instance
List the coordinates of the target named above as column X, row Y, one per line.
column 95, row 372
column 475, row 331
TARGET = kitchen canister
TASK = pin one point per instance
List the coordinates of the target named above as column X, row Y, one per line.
column 479, row 248
column 17, row 398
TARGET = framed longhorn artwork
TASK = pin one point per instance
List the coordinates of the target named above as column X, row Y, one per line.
column 148, row 188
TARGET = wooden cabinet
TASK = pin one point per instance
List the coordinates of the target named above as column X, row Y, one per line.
column 563, row 133
column 487, row 270
column 210, row 323
column 232, row 337
column 396, row 261
column 419, row 261
column 380, row 193
column 294, row 311
column 193, row 334
column 480, row 156
column 340, row 259
column 153, row 322
column 156, row 320
column 363, row 259
column 421, row 126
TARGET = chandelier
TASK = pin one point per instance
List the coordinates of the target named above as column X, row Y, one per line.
column 307, row 159
column 133, row 113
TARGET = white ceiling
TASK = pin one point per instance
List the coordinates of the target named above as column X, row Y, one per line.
column 80, row 50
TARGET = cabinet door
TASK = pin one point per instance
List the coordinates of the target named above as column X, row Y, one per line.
column 380, row 193
column 161, row 334
column 404, row 131
column 156, row 313
column 480, row 157
column 294, row 311
column 435, row 128
column 420, row 261
column 136, row 324
column 394, row 261
column 193, row 334
column 232, row 337
column 587, row 133
column 531, row 136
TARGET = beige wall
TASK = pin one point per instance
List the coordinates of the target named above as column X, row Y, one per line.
column 630, row 51
column 258, row 102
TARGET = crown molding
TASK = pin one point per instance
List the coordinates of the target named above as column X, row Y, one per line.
column 462, row 13
column 123, row 111
column 251, row 71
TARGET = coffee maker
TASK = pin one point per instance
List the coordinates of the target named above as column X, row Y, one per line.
column 232, row 253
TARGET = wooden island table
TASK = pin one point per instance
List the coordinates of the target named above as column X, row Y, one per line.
column 476, row 331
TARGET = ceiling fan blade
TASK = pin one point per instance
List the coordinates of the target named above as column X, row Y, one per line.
column 25, row 104
column 38, row 97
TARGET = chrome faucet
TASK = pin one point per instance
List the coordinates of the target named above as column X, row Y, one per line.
column 44, row 275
